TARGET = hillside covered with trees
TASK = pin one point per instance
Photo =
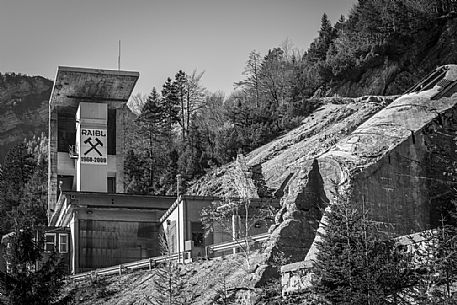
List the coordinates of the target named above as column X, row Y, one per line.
column 381, row 48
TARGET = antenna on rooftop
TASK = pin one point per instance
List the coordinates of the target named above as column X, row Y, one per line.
column 119, row 57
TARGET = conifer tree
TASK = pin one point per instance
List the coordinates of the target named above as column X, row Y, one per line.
column 168, row 286
column 180, row 85
column 438, row 259
column 356, row 263
column 152, row 132
column 25, row 282
column 18, row 167
column 170, row 105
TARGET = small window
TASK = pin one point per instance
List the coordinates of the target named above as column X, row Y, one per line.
column 66, row 183
column 63, row 243
column 111, row 122
column 198, row 238
column 197, row 234
column 111, row 185
column 66, row 131
column 49, row 242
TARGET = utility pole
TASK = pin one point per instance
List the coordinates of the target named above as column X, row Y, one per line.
column 119, row 57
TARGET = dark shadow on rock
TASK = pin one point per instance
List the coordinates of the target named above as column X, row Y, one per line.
column 259, row 181
column 296, row 228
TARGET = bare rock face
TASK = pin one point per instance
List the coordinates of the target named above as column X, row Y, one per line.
column 290, row 171
column 280, row 160
column 23, row 108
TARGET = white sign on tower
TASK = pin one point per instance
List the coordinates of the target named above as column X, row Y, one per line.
column 93, row 146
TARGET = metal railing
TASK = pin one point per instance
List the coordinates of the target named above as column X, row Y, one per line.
column 231, row 245
column 123, row 268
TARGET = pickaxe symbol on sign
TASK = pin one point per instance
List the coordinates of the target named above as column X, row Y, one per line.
column 93, row 146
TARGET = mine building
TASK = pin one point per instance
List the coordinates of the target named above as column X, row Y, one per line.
column 92, row 222
column 105, row 226
column 87, row 113
column 183, row 228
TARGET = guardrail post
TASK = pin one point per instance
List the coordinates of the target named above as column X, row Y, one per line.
column 150, row 263
column 120, row 269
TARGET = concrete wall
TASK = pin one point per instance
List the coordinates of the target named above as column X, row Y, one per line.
column 394, row 190
column 295, row 278
column 408, row 186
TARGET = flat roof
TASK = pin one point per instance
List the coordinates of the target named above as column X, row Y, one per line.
column 120, row 200
column 73, row 85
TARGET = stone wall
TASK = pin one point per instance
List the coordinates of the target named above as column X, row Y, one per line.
column 295, row 278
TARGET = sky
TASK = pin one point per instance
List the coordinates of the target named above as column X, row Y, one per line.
column 158, row 37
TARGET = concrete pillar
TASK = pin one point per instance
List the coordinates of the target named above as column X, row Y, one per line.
column 120, row 121
column 52, row 161
column 75, row 247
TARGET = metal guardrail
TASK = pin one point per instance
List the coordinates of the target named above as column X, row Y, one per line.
column 153, row 261
column 122, row 268
column 236, row 244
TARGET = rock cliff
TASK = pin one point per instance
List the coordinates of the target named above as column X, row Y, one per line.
column 392, row 75
column 394, row 158
column 23, row 108
column 289, row 171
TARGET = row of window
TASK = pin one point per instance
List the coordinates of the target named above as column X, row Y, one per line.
column 66, row 183
column 66, row 131
column 51, row 242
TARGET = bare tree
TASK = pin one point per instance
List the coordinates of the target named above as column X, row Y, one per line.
column 224, row 217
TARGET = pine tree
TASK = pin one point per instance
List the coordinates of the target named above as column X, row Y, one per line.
column 151, row 140
column 170, row 105
column 318, row 49
column 356, row 263
column 180, row 85
column 438, row 257
column 446, row 251
column 24, row 283
column 18, row 167
column 168, row 286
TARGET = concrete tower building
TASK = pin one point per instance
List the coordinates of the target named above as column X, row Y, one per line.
column 86, row 117
column 105, row 227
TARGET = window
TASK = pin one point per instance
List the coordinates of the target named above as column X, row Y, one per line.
column 63, row 243
column 66, row 183
column 49, row 242
column 111, row 185
column 197, row 234
column 111, row 122
column 66, row 131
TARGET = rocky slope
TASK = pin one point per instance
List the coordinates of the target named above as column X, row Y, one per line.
column 281, row 160
column 393, row 75
column 287, row 168
column 23, row 108
column 282, row 167
column 201, row 283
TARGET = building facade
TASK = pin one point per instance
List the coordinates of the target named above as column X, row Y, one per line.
column 183, row 227
column 87, row 113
